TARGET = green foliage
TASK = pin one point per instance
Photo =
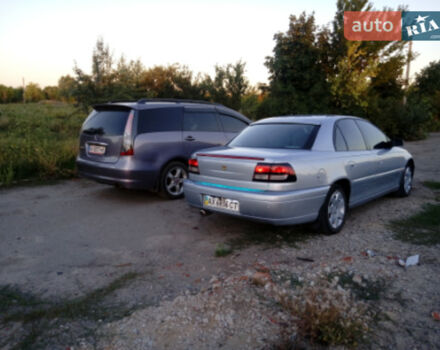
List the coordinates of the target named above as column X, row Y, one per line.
column 250, row 103
column 66, row 88
column 33, row 93
column 298, row 82
column 228, row 85
column 131, row 81
column 51, row 93
column 433, row 185
column 38, row 141
column 38, row 316
column 426, row 87
column 222, row 250
column 422, row 228
column 10, row 94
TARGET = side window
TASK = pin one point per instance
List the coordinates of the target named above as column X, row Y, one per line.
column 340, row 144
column 200, row 121
column 352, row 135
column 373, row 136
column 160, row 119
column 232, row 124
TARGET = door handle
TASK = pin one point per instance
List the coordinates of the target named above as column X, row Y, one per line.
column 351, row 164
column 189, row 138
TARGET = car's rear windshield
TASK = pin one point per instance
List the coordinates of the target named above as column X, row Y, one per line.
column 290, row 136
column 106, row 122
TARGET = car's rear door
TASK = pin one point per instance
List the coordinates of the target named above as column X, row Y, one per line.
column 201, row 129
column 231, row 125
column 360, row 165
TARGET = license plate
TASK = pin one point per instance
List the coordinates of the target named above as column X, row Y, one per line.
column 220, row 202
column 96, row 149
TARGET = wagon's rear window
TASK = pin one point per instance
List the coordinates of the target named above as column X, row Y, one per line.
column 106, row 122
column 291, row 136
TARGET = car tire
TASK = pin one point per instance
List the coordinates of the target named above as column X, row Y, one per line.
column 405, row 186
column 171, row 180
column 333, row 212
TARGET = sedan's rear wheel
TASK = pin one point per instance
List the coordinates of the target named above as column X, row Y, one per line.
column 172, row 180
column 333, row 212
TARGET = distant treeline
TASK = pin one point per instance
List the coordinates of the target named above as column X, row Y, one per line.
column 313, row 70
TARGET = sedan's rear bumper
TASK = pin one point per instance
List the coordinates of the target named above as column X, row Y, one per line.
column 277, row 208
column 117, row 174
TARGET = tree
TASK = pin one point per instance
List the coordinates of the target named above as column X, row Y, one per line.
column 173, row 81
column 51, row 93
column 33, row 93
column 297, row 78
column 9, row 94
column 66, row 88
column 228, row 86
column 426, row 90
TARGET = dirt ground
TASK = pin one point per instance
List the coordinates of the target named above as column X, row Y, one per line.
column 62, row 242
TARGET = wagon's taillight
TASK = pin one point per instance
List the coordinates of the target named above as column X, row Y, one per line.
column 274, row 173
column 193, row 166
column 127, row 140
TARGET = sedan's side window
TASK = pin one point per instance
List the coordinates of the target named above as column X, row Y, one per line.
column 200, row 121
column 340, row 144
column 373, row 136
column 352, row 135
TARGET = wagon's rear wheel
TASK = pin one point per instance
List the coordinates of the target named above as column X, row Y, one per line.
column 171, row 182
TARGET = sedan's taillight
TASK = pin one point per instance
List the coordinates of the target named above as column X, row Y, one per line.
column 127, row 140
column 274, row 173
column 193, row 166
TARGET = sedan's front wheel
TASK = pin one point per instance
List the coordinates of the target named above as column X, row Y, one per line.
column 405, row 182
column 332, row 215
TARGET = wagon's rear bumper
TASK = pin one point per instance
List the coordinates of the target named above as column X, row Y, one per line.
column 277, row 208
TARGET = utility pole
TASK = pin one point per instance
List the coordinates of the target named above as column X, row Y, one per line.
column 408, row 64
column 24, row 87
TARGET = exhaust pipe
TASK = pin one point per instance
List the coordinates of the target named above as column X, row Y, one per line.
column 204, row 212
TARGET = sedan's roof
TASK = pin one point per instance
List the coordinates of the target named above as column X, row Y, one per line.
column 306, row 119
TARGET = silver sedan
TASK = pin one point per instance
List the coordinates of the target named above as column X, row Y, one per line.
column 292, row 170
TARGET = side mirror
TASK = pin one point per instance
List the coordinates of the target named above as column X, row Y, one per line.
column 396, row 142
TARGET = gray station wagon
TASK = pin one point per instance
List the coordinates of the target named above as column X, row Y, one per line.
column 146, row 144
column 291, row 170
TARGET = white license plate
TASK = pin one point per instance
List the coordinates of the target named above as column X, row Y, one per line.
column 96, row 149
column 220, row 202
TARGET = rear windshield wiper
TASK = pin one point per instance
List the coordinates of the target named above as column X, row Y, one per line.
column 94, row 131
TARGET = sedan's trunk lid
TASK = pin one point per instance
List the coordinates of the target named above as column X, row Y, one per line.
column 238, row 163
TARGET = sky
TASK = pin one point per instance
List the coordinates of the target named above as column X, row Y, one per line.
column 41, row 40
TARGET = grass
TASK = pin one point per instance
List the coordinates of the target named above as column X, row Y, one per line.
column 422, row 228
column 39, row 141
column 270, row 237
column 433, row 185
column 39, row 316
column 367, row 290
column 222, row 250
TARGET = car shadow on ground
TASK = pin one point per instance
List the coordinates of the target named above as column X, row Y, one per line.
column 111, row 193
column 238, row 233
